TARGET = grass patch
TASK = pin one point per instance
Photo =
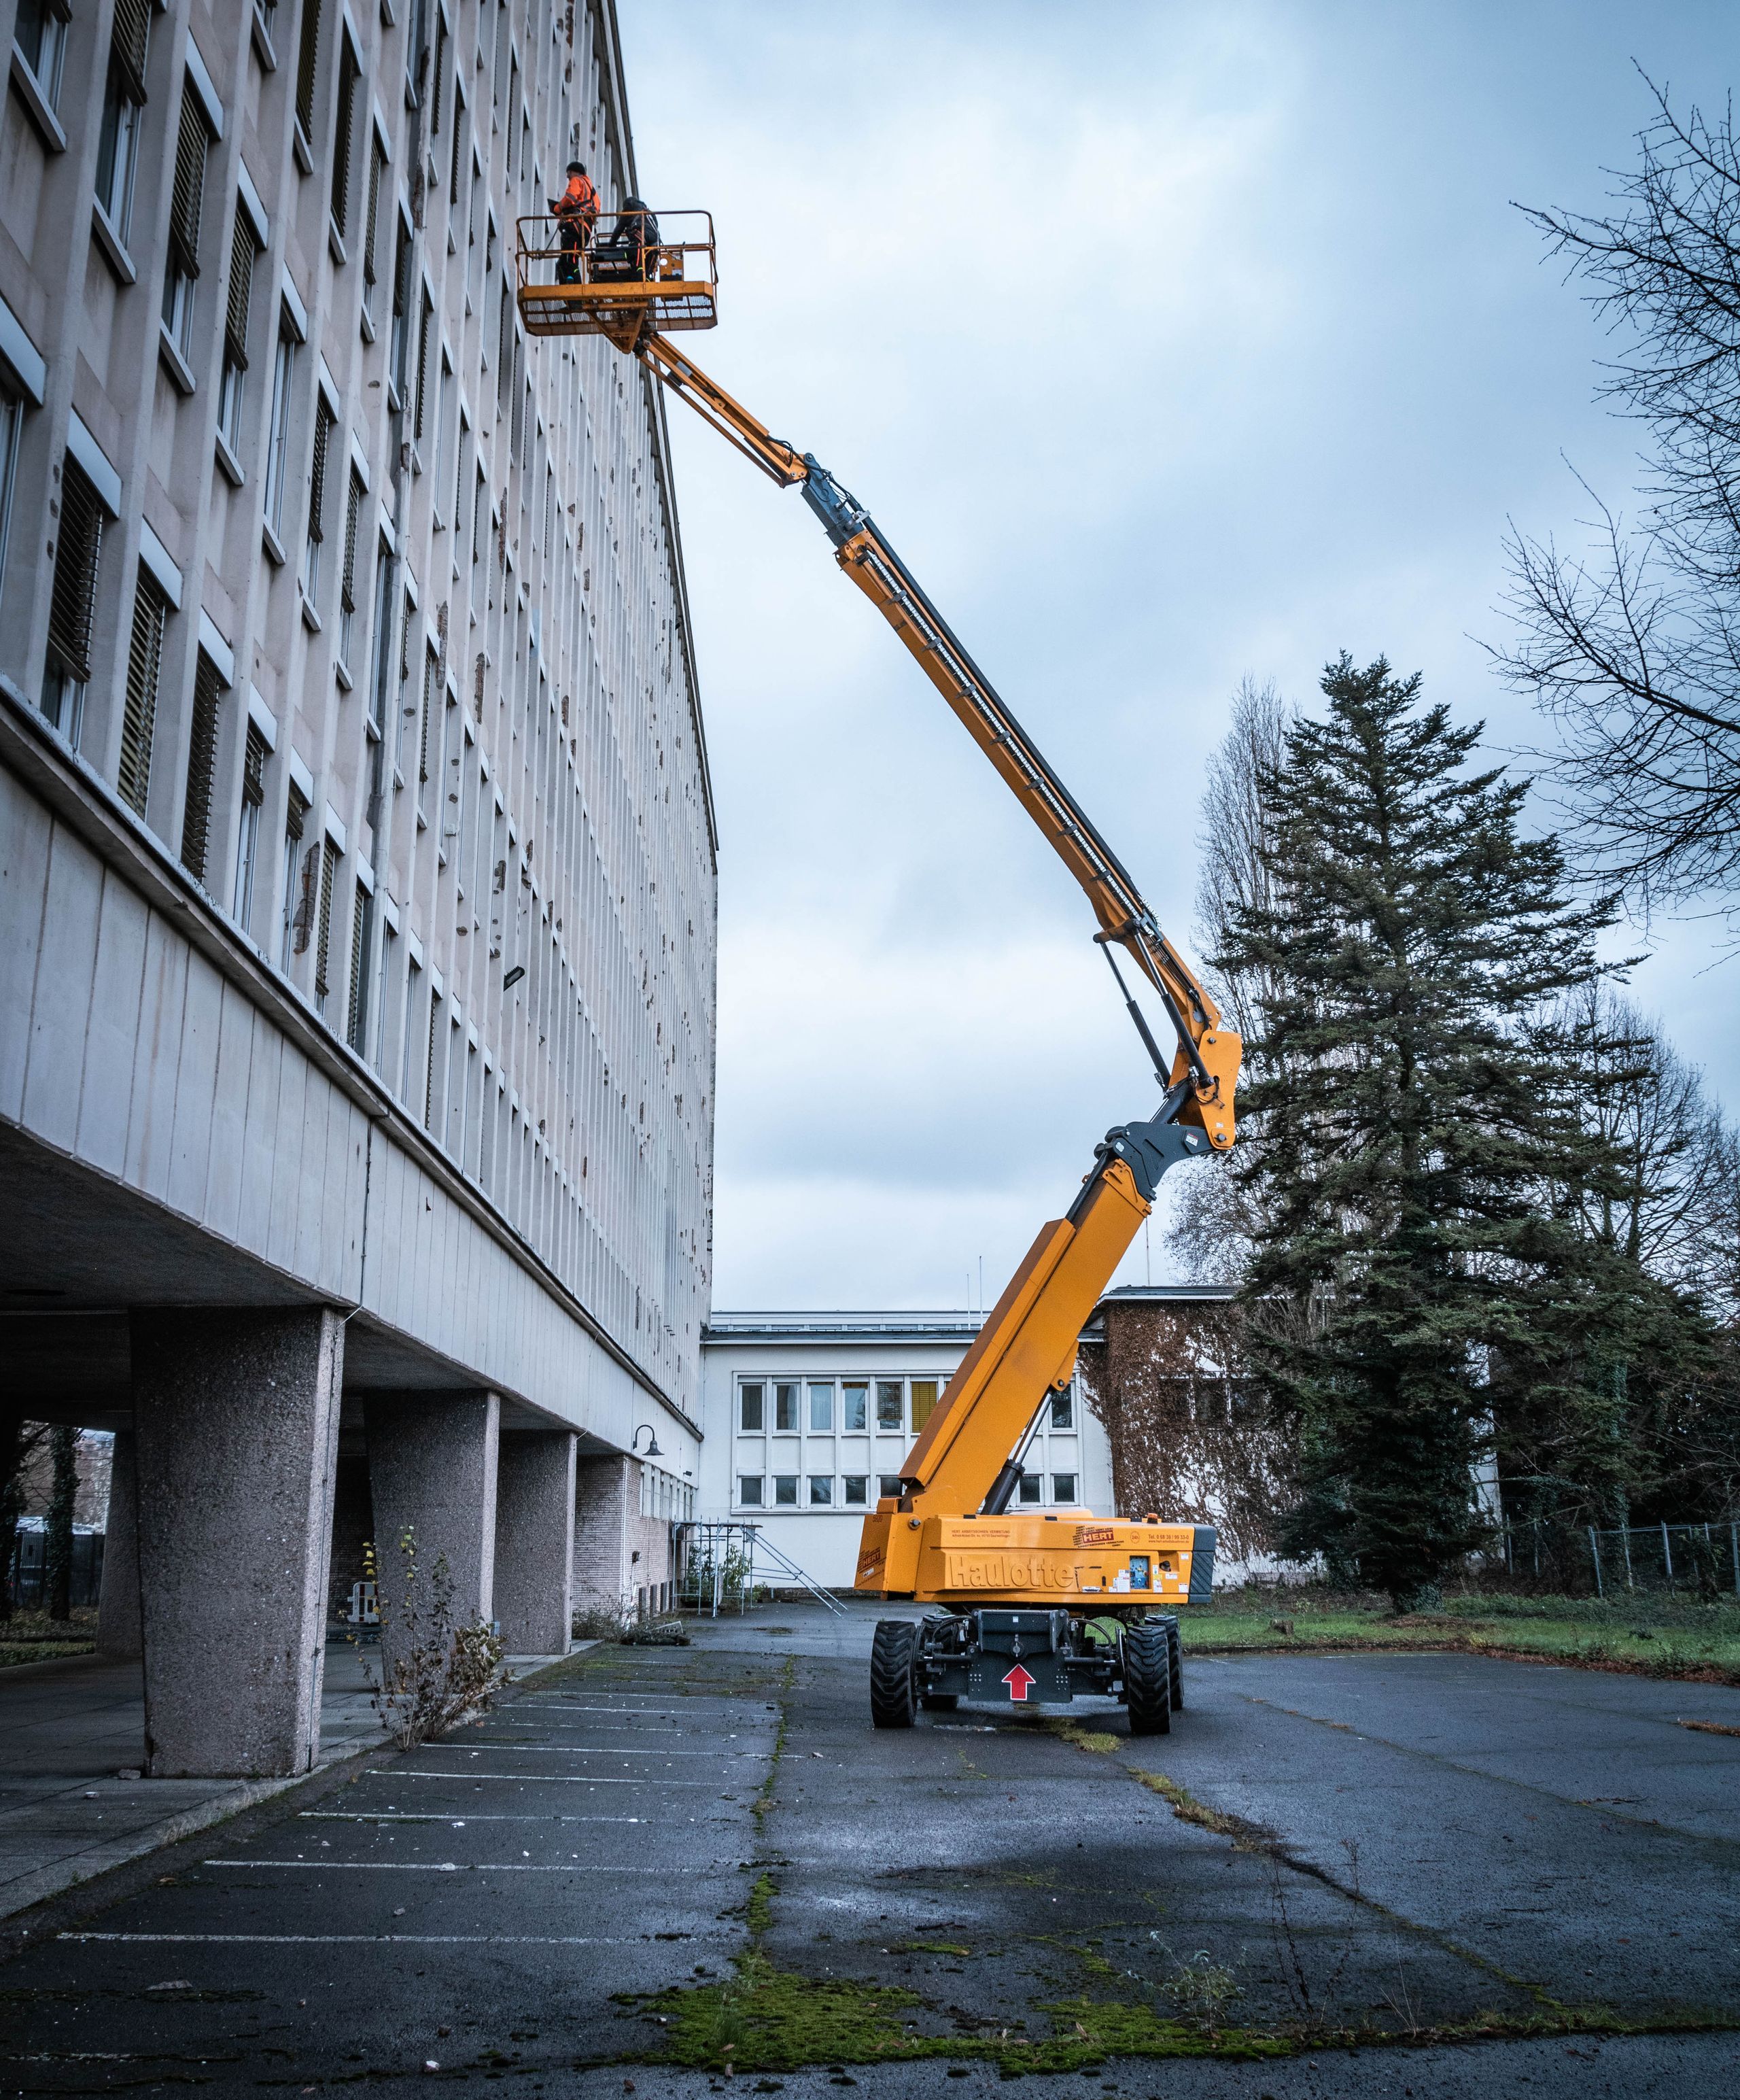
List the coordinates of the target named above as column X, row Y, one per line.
column 34, row 1636
column 1649, row 1634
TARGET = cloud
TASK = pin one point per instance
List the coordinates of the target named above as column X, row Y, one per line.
column 1166, row 344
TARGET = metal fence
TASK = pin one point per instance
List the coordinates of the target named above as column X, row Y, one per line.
column 730, row 1567
column 25, row 1573
column 1700, row 1559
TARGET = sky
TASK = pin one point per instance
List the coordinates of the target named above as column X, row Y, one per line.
column 1169, row 345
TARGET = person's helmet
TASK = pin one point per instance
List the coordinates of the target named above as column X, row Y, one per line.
column 634, row 204
column 576, row 167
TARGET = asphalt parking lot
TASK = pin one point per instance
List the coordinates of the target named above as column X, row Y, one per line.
column 1423, row 1852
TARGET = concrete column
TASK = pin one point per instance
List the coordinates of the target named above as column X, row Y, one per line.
column 534, row 1541
column 120, row 1632
column 236, row 1420
column 432, row 1460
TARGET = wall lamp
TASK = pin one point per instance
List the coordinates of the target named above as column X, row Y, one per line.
column 652, row 1450
column 513, row 976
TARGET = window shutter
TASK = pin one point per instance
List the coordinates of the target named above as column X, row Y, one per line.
column 139, row 716
column 323, row 921
column 307, row 59
column 401, row 272
column 323, row 431
column 254, row 768
column 347, row 580
column 504, row 349
column 342, row 128
column 441, row 59
column 459, row 132
column 202, row 760
column 78, row 547
column 131, row 35
column 191, row 142
column 356, row 1015
column 423, row 362
column 241, row 291
column 296, row 813
column 373, row 220
column 428, row 676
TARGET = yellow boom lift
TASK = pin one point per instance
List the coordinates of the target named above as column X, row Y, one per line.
column 1032, row 1607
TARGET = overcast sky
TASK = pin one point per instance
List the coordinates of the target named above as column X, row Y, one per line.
column 1168, row 344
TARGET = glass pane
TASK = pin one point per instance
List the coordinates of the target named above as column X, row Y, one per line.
column 924, row 1401
column 858, row 1488
column 1062, row 1487
column 854, row 1406
column 751, row 1412
column 1030, row 1486
column 889, row 1483
column 822, row 1406
column 821, row 1488
column 1062, row 1410
column 786, row 1490
column 890, row 1415
column 785, row 1407
column 749, row 1489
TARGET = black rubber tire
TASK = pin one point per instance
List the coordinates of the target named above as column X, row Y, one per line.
column 1175, row 1660
column 1147, row 1677
column 894, row 1674
column 939, row 1702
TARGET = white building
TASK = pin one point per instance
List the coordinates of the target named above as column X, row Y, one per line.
column 806, row 1416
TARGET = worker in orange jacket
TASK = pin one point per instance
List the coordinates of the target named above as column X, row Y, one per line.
column 576, row 211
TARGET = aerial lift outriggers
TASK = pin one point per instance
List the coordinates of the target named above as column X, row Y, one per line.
column 1032, row 1607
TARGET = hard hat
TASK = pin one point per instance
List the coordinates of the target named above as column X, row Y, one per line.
column 576, row 167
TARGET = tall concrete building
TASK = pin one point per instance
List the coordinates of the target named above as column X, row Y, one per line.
column 357, row 881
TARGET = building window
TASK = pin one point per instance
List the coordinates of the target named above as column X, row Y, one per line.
column 248, row 846
column 347, row 577
column 344, row 126
column 322, row 432
column 889, row 1486
column 202, row 765
column 891, row 1410
column 410, row 1032
column 117, row 141
column 322, row 945
column 356, row 1012
column 749, row 1488
column 784, row 1406
column 785, row 1490
column 72, row 607
column 11, row 437
column 749, row 1405
column 294, row 932
column 40, row 34
column 854, row 1406
column 278, row 441
column 236, row 329
column 139, row 715
column 372, row 228
column 399, row 349
column 1062, row 1410
column 185, row 195
column 1062, row 1487
column 924, row 1393
column 383, row 642
column 1030, row 1489
column 822, row 1491
column 856, row 1486
column 427, row 313
column 822, row 1405
column 308, row 62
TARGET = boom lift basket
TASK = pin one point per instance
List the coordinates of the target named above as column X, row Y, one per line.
column 634, row 274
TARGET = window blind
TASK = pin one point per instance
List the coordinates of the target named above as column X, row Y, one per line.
column 307, row 60
column 139, row 712
column 241, row 291
column 202, row 760
column 78, row 547
column 191, row 142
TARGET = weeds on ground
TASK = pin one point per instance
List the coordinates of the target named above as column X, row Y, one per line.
column 435, row 1671
column 34, row 1636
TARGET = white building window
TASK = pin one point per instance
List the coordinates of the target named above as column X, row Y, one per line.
column 278, row 441
column 40, row 34
column 117, row 150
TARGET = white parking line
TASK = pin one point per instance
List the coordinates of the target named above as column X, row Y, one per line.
column 454, row 1867
column 457, row 1822
column 368, row 1939
column 540, row 1779
column 593, row 1750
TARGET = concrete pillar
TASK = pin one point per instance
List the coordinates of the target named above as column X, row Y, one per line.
column 432, row 1460
column 534, row 1541
column 236, row 1420
column 120, row 1632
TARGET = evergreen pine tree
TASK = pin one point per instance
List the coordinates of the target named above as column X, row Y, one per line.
column 1410, row 939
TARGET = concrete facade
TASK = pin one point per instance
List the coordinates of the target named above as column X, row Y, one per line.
column 834, row 1400
column 357, row 877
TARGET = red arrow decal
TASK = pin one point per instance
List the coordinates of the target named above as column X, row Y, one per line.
column 1020, row 1682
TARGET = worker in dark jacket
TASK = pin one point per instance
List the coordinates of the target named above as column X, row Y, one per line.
column 636, row 230
column 576, row 211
